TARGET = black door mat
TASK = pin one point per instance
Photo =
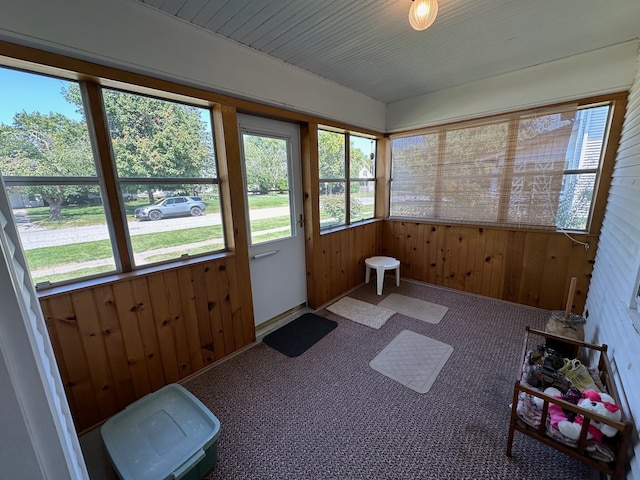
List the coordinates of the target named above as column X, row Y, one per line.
column 297, row 336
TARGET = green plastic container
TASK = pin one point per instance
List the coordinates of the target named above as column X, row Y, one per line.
column 168, row 434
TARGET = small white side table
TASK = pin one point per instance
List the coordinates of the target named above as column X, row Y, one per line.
column 381, row 264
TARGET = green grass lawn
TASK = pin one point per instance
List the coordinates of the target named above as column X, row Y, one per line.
column 80, row 216
column 46, row 257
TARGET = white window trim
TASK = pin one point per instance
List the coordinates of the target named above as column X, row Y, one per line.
column 27, row 354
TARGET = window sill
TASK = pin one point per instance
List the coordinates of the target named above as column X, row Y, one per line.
column 339, row 228
column 633, row 316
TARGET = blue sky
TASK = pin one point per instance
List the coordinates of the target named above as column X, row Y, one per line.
column 24, row 91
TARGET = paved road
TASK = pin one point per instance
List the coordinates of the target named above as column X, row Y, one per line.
column 34, row 237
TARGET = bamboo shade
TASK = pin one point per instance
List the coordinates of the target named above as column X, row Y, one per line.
column 534, row 169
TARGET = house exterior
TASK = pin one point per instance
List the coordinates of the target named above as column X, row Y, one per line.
column 42, row 445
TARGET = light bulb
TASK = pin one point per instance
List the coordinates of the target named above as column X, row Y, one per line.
column 423, row 13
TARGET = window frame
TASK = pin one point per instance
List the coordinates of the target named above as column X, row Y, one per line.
column 616, row 104
column 107, row 180
column 347, row 180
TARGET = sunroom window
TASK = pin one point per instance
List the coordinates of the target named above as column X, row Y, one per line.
column 51, row 178
column 347, row 178
column 536, row 169
column 165, row 172
column 166, row 169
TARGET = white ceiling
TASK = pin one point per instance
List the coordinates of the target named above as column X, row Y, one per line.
column 368, row 45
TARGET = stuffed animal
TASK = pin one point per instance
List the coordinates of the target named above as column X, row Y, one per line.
column 592, row 400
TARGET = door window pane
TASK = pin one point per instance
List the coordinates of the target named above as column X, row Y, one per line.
column 268, row 187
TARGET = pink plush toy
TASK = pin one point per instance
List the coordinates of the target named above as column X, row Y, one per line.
column 592, row 400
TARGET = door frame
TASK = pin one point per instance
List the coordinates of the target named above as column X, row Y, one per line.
column 259, row 252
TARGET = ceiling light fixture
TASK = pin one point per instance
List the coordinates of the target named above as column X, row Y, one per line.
column 423, row 13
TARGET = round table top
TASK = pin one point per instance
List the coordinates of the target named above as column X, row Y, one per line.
column 388, row 262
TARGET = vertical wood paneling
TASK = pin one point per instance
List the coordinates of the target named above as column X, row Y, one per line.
column 61, row 318
column 202, row 311
column 177, row 323
column 224, row 294
column 88, row 322
column 513, row 265
column 498, row 271
column 215, row 312
column 462, row 240
column 235, row 215
column 115, row 343
column 340, row 258
column 159, row 290
column 148, row 324
column 190, row 317
column 57, row 347
column 476, row 264
column 532, row 268
column 487, row 264
column 449, row 256
column 127, row 319
column 239, row 324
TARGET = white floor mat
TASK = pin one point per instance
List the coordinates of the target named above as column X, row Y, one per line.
column 415, row 308
column 412, row 360
column 361, row 312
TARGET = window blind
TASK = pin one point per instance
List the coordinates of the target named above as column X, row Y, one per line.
column 534, row 169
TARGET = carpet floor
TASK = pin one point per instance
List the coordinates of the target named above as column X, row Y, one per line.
column 327, row 415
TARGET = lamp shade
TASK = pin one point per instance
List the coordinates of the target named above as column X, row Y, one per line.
column 423, row 13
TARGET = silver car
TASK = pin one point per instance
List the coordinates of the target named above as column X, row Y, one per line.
column 171, row 207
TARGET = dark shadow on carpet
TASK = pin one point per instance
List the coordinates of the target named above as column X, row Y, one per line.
column 297, row 336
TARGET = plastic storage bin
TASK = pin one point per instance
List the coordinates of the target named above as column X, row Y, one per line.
column 168, row 434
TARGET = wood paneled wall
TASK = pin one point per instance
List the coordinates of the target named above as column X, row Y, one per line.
column 119, row 341
column 338, row 261
column 530, row 268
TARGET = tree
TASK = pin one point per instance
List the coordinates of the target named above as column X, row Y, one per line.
column 266, row 163
column 50, row 145
column 331, row 160
column 153, row 138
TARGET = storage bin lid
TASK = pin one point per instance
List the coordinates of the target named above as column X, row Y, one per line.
column 160, row 436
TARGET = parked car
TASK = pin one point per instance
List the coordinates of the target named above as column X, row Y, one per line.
column 171, row 207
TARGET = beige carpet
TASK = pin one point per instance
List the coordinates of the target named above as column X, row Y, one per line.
column 361, row 312
column 414, row 307
column 412, row 360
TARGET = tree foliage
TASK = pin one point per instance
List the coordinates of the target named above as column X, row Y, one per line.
column 266, row 163
column 50, row 145
column 153, row 138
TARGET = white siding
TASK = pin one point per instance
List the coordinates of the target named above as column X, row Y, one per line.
column 610, row 318
column 43, row 442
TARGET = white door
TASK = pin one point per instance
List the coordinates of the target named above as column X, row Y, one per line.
column 273, row 195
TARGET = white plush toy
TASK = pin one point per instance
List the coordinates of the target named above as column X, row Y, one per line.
column 602, row 404
column 592, row 400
